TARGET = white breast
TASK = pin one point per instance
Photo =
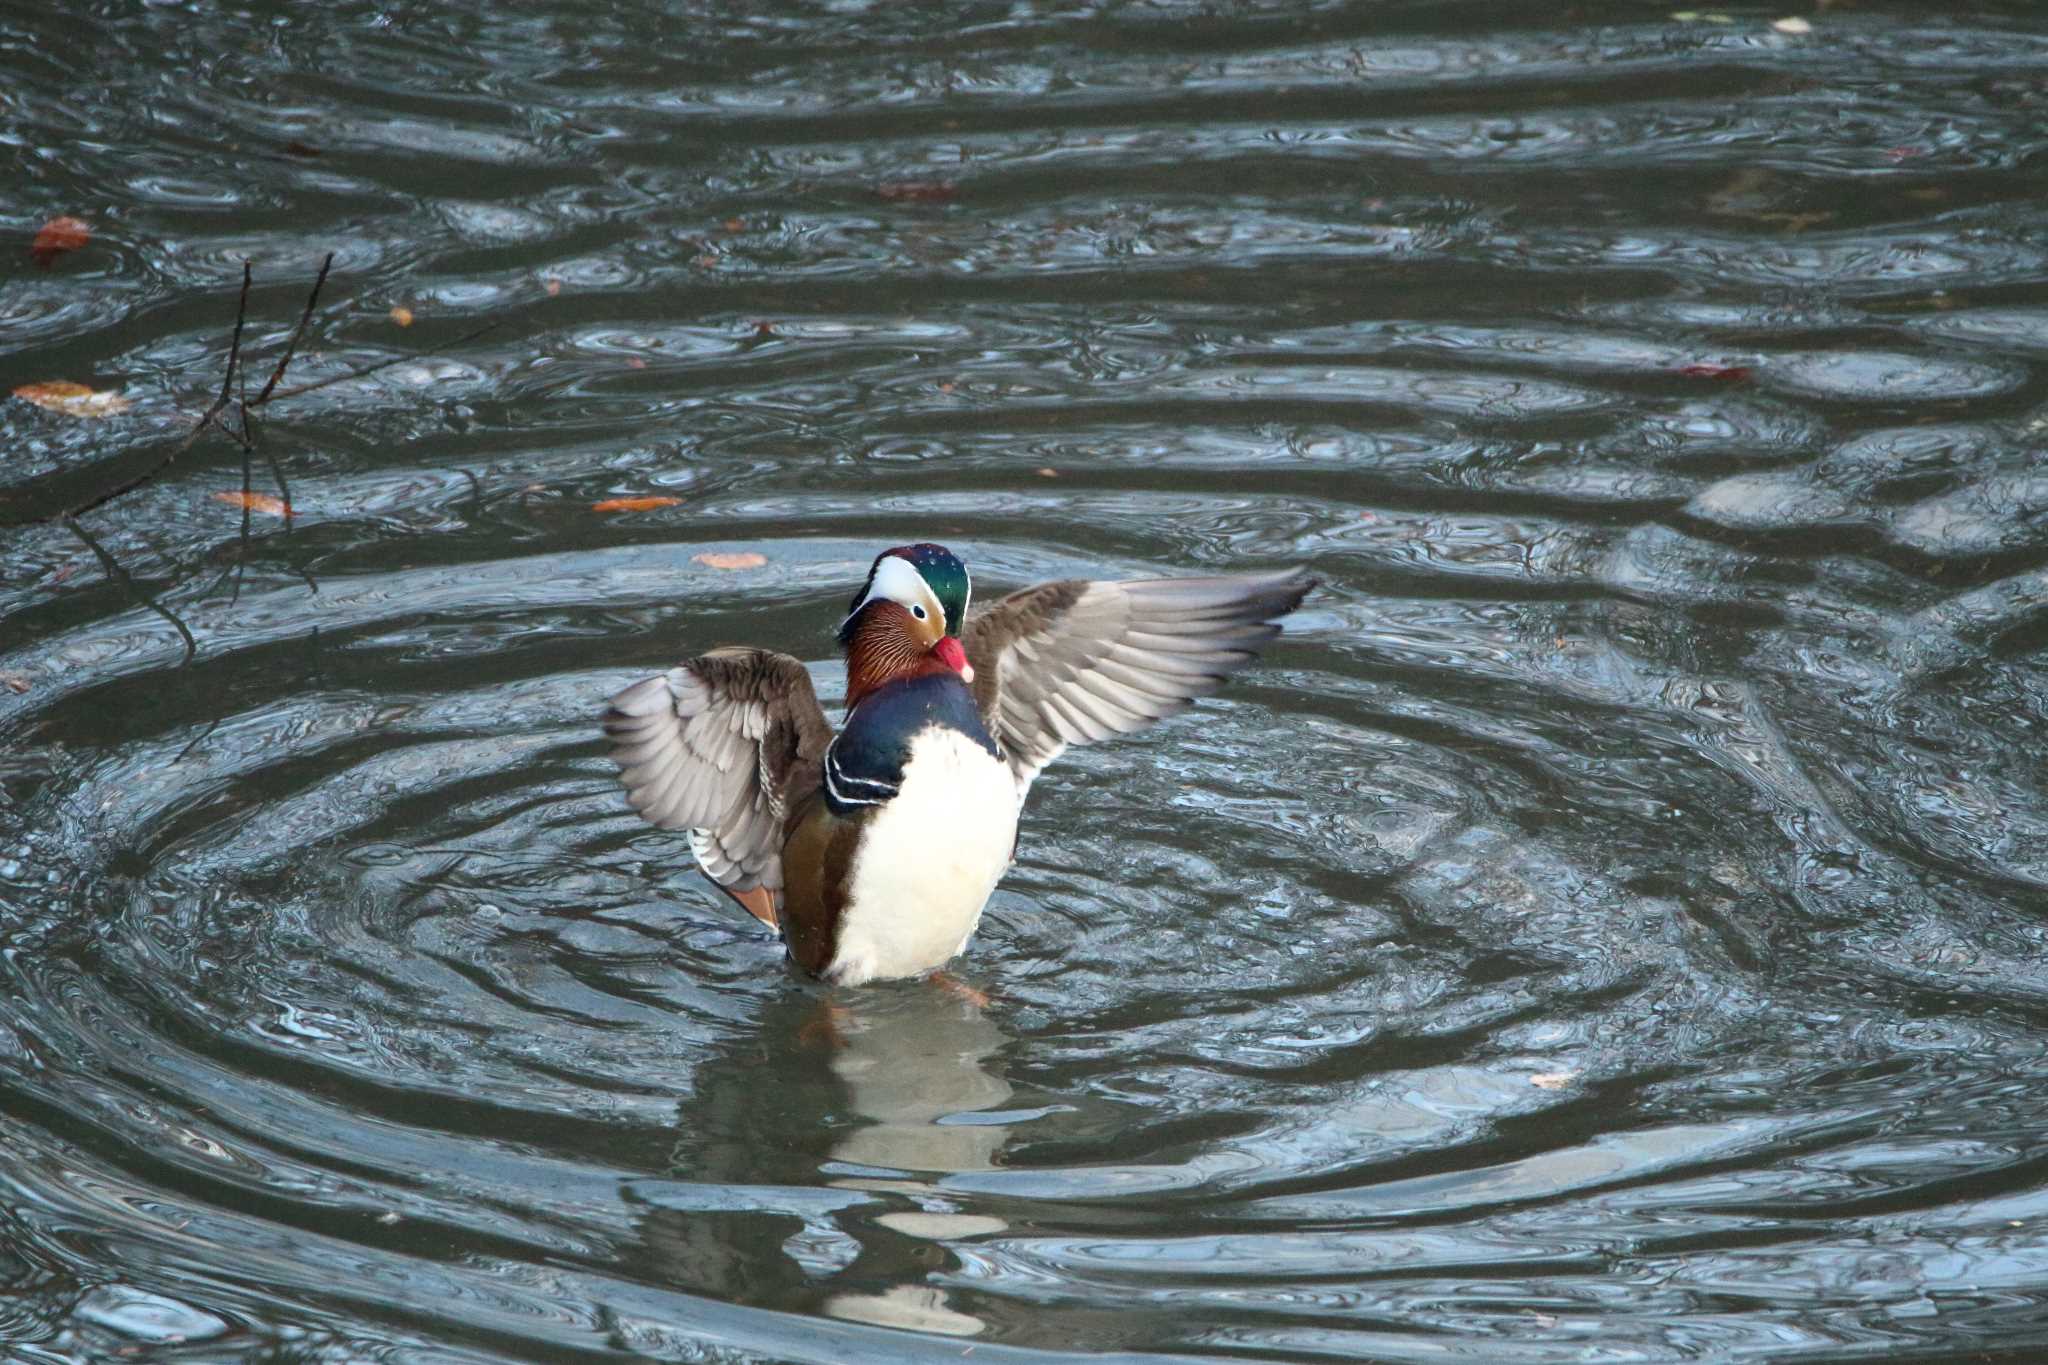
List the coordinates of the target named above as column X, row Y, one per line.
column 928, row 861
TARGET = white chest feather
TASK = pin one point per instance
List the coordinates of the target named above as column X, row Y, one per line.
column 929, row 860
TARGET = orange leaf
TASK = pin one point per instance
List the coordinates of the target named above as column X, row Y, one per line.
column 58, row 236
column 745, row 559
column 554, row 288
column 633, row 504
column 255, row 502
column 73, row 400
column 402, row 316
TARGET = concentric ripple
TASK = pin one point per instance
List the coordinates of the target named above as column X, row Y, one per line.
column 1608, row 925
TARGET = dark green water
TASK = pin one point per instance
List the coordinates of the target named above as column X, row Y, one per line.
column 1610, row 927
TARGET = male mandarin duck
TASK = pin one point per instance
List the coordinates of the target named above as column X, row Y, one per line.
column 873, row 851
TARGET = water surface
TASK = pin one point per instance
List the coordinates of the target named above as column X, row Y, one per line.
column 1608, row 926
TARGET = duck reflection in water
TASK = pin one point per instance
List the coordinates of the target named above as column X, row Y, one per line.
column 798, row 1162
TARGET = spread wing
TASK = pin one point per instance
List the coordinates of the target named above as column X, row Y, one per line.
column 1074, row 662
column 720, row 746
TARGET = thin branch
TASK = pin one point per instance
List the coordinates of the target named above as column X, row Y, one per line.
column 284, row 490
column 227, row 381
column 270, row 392
column 248, row 449
column 209, row 419
column 368, row 370
column 292, row 347
column 115, row 571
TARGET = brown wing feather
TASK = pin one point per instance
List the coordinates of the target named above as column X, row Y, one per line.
column 1074, row 662
column 722, row 746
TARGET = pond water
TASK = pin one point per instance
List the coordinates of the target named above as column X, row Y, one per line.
column 1609, row 924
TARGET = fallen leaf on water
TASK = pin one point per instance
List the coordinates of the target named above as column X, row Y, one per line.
column 647, row 504
column 73, row 400
column 1794, row 24
column 402, row 316
column 1552, row 1080
column 554, row 288
column 255, row 502
column 919, row 192
column 1727, row 373
column 16, row 682
column 735, row 225
column 1048, row 472
column 296, row 148
column 744, row 559
column 634, row 362
column 58, row 236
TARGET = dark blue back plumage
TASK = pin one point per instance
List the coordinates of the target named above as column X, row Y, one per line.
column 864, row 765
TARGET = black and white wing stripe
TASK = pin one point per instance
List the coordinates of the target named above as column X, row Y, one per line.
column 1074, row 662
column 719, row 746
column 847, row 789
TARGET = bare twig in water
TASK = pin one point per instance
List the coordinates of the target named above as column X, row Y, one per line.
column 269, row 393
column 115, row 571
column 234, row 389
column 210, row 418
column 368, row 370
column 291, row 347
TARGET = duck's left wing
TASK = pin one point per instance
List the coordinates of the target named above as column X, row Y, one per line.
column 721, row 746
column 1075, row 661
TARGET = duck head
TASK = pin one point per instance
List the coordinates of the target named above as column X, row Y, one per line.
column 905, row 621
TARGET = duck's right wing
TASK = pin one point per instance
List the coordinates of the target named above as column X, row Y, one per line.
column 721, row 746
column 1074, row 662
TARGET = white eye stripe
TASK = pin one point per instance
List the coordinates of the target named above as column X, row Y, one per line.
column 898, row 581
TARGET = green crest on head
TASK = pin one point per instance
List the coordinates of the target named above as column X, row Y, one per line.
column 937, row 568
column 943, row 572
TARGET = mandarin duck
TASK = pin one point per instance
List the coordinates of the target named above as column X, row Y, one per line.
column 874, row 850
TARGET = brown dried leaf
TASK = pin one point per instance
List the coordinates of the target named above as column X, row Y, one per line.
column 73, row 400
column 647, row 504
column 58, row 236
column 554, row 288
column 1552, row 1080
column 16, row 682
column 402, row 316
column 718, row 559
column 255, row 502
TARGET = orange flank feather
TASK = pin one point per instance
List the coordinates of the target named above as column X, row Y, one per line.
column 759, row 903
